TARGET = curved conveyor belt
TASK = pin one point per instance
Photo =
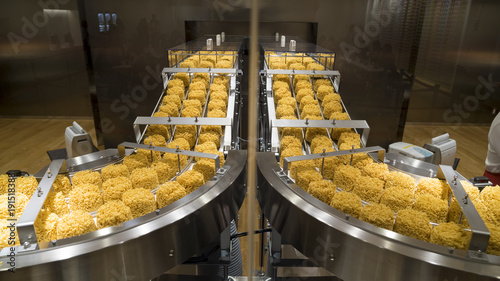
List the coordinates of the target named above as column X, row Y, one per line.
column 145, row 247
column 352, row 249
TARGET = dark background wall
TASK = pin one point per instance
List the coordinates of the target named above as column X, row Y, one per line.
column 42, row 65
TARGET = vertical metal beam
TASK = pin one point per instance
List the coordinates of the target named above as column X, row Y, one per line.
column 82, row 13
column 225, row 249
column 253, row 94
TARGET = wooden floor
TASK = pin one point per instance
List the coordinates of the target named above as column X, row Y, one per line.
column 472, row 144
column 24, row 143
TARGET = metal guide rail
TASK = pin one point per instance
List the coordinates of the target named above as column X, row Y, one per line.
column 123, row 145
column 199, row 49
column 332, row 73
column 353, row 124
column 95, row 160
column 480, row 233
column 166, row 237
column 380, row 156
column 198, row 121
column 271, row 137
column 299, row 50
column 232, row 104
column 200, row 70
column 25, row 225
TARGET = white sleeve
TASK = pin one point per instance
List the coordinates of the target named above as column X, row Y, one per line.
column 493, row 158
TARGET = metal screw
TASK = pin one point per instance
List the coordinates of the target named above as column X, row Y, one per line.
column 478, row 253
column 451, row 249
column 332, row 257
column 26, row 244
column 171, row 254
column 347, row 217
column 465, row 199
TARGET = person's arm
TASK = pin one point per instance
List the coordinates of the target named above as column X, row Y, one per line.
column 493, row 159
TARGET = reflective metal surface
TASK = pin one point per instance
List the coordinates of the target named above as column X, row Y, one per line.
column 410, row 165
column 145, row 247
column 95, row 160
column 352, row 249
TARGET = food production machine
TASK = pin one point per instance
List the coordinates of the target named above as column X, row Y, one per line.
column 441, row 150
column 323, row 193
column 190, row 146
column 322, row 198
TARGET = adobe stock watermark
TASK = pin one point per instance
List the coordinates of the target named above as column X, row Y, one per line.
column 460, row 111
column 31, row 26
column 363, row 38
column 122, row 106
column 222, row 6
column 11, row 221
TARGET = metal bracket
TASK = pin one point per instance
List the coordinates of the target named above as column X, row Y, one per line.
column 200, row 70
column 380, row 155
column 201, row 121
column 351, row 124
column 123, row 145
column 307, row 72
column 25, row 225
column 480, row 233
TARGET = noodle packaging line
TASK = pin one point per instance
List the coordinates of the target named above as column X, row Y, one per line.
column 165, row 238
